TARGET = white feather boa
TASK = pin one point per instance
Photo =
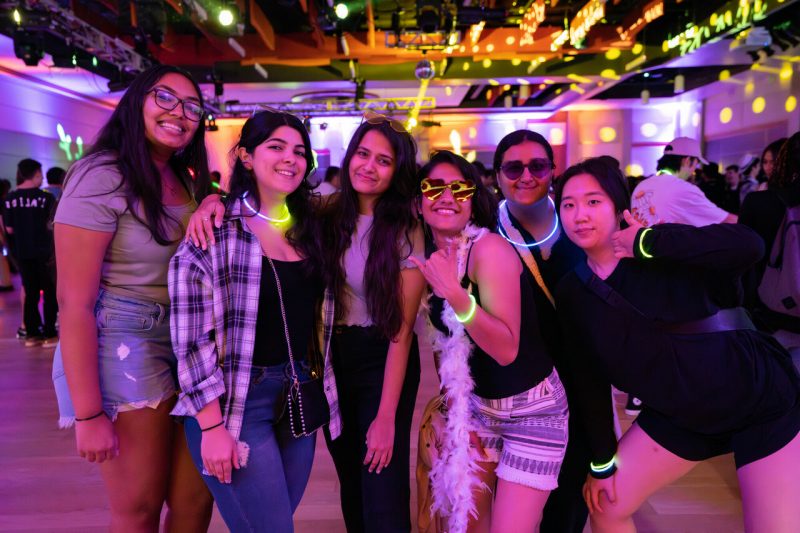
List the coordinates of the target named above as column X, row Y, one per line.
column 453, row 477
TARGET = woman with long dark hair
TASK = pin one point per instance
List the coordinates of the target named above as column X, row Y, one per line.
column 497, row 375
column 250, row 303
column 766, row 212
column 371, row 231
column 525, row 167
column 119, row 221
column 654, row 311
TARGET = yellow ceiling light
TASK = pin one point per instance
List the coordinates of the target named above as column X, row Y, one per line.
column 507, row 87
column 494, row 82
column 490, row 48
column 637, row 49
column 749, row 88
column 609, row 73
column 607, row 134
column 786, row 71
column 724, row 75
column 613, row 54
column 473, row 132
column 486, row 63
column 510, row 40
column 465, row 67
column 725, row 115
column 567, row 59
column 476, row 49
column 448, row 90
column 791, row 104
column 634, row 169
column 759, row 104
column 516, row 62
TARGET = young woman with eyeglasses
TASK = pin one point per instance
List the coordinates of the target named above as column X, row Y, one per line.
column 369, row 233
column 654, row 311
column 498, row 376
column 119, row 221
column 524, row 164
column 251, row 302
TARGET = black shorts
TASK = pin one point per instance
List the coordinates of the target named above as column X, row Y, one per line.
column 749, row 444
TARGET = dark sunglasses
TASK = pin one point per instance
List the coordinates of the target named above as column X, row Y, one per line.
column 376, row 118
column 538, row 167
column 168, row 101
column 462, row 190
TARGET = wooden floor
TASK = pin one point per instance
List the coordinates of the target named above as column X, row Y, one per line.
column 45, row 487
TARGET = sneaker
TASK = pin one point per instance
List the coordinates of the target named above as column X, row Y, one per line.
column 33, row 341
column 50, row 342
column 21, row 333
column 634, row 406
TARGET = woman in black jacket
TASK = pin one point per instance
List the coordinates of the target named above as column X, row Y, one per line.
column 654, row 312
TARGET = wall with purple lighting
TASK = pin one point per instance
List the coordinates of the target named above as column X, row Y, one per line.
column 31, row 114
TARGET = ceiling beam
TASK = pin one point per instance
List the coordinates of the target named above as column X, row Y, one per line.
column 259, row 21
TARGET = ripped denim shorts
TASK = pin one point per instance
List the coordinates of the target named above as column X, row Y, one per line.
column 136, row 364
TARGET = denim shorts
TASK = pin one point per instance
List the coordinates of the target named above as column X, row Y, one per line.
column 136, row 364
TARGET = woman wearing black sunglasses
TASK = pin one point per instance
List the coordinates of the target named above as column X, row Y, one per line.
column 498, row 376
column 119, row 221
column 528, row 219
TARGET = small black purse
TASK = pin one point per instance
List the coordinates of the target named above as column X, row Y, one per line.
column 306, row 403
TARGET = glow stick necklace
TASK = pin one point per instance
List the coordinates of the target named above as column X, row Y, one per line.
column 539, row 243
column 265, row 217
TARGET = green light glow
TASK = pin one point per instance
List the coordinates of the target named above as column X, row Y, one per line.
column 605, row 467
column 473, row 307
column 641, row 244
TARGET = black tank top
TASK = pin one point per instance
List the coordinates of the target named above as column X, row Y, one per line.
column 301, row 292
column 533, row 362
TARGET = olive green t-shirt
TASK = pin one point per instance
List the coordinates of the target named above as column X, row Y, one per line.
column 134, row 264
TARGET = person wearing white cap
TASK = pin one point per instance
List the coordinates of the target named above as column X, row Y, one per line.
column 669, row 197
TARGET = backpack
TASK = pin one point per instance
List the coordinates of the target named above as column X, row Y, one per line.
column 779, row 289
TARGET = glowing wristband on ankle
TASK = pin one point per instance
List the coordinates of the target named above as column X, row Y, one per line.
column 473, row 306
column 604, row 470
column 642, row 251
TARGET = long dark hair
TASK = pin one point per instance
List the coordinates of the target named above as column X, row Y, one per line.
column 787, row 164
column 390, row 234
column 484, row 203
column 303, row 234
column 123, row 137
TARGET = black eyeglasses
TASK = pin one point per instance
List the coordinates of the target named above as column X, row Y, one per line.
column 168, row 101
column 538, row 167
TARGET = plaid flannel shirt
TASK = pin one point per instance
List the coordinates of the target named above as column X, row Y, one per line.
column 214, row 305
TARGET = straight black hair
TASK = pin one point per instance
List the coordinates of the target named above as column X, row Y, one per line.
column 26, row 169
column 518, row 137
column 607, row 174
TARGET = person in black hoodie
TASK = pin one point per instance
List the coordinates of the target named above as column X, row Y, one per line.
column 654, row 311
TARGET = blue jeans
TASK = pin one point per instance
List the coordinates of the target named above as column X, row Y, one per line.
column 263, row 495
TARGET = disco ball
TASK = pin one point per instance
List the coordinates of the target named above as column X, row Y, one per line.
column 424, row 70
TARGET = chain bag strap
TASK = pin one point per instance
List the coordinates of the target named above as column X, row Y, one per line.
column 306, row 401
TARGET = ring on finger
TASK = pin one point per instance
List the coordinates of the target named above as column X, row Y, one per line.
column 205, row 219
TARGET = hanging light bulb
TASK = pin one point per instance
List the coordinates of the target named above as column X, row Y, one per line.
column 645, row 96
column 680, row 84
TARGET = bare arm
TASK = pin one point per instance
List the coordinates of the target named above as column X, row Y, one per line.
column 79, row 256
column 380, row 436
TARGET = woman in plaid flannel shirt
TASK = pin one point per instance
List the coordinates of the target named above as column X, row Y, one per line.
column 228, row 328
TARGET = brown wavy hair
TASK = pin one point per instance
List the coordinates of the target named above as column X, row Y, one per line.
column 390, row 235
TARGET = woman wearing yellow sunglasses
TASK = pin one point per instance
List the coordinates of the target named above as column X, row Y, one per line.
column 506, row 407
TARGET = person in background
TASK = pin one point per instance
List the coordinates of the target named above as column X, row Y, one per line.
column 55, row 180
column 749, row 167
column 764, row 211
column 710, row 181
column 487, row 178
column 669, row 197
column 5, row 253
column 730, row 198
column 332, row 182
column 119, row 221
column 27, row 218
column 768, row 158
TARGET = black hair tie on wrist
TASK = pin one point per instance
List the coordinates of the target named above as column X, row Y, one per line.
column 203, row 430
column 102, row 412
